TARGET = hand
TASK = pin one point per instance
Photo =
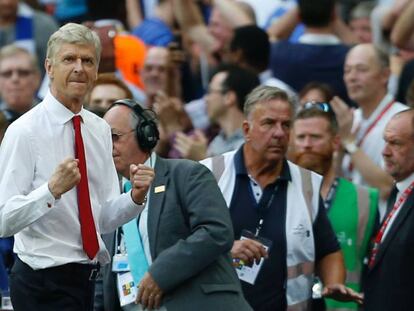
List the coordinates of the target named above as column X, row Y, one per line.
column 171, row 113
column 149, row 293
column 342, row 293
column 248, row 250
column 65, row 177
column 192, row 147
column 141, row 177
column 344, row 117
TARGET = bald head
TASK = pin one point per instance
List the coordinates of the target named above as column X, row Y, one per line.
column 366, row 74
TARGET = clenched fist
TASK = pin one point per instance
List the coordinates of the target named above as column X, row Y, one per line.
column 65, row 177
column 141, row 177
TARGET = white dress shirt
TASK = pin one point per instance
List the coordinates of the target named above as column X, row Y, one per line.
column 47, row 231
column 143, row 218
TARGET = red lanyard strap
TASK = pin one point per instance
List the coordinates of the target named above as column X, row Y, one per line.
column 369, row 129
column 373, row 124
column 384, row 225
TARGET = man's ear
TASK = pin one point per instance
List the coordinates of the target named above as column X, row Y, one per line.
column 49, row 68
column 336, row 143
column 246, row 129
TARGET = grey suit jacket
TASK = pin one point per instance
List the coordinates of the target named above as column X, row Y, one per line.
column 190, row 235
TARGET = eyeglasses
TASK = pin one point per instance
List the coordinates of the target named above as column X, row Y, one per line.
column 21, row 73
column 117, row 136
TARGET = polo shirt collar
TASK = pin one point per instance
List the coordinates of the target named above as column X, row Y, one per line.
column 241, row 170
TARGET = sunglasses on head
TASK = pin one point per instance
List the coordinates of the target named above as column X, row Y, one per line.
column 322, row 106
column 318, row 105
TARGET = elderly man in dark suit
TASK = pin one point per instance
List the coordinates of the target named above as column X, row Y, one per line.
column 389, row 281
column 185, row 229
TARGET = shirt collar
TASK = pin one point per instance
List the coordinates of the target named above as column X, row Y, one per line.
column 240, row 166
column 404, row 184
column 151, row 160
column 319, row 39
column 61, row 114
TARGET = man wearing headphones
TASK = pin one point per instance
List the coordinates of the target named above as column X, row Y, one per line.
column 177, row 253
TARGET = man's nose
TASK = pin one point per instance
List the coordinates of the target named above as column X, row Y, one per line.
column 78, row 65
column 277, row 130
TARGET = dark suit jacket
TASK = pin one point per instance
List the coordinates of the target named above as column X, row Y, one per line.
column 389, row 285
column 190, row 235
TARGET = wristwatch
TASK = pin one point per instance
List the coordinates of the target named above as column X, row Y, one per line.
column 350, row 146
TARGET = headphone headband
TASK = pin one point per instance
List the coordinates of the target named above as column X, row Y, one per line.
column 146, row 132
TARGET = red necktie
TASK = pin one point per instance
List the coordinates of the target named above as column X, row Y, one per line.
column 88, row 230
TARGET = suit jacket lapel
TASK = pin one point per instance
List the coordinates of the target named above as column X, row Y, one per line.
column 395, row 226
column 156, row 201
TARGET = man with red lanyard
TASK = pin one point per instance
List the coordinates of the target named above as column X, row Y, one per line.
column 389, row 279
column 366, row 73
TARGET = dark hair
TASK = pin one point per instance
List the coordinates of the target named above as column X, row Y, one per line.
column 316, row 13
column 324, row 88
column 315, row 111
column 254, row 43
column 111, row 78
column 239, row 80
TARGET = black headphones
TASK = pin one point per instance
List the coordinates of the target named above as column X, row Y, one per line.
column 146, row 132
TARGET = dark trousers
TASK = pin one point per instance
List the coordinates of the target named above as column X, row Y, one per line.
column 68, row 287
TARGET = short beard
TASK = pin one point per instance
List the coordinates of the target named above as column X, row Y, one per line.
column 314, row 161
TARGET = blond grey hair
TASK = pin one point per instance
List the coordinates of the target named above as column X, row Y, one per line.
column 9, row 51
column 262, row 94
column 73, row 34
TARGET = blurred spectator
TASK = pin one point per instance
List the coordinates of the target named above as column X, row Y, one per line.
column 208, row 45
column 402, row 32
column 19, row 81
column 366, row 76
column 107, row 89
column 225, row 98
column 315, row 92
column 75, row 11
column 157, row 30
column 122, row 54
column 107, row 9
column 160, row 74
column 360, row 21
column 319, row 55
column 288, row 25
column 250, row 49
column 137, row 10
column 405, row 80
column 155, row 73
column 25, row 27
column 162, row 90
